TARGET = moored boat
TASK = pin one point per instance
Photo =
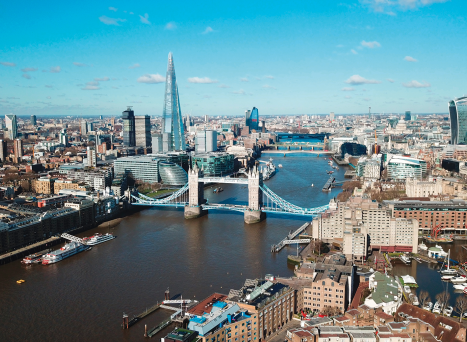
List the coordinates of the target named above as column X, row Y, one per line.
column 98, row 238
column 66, row 251
column 428, row 306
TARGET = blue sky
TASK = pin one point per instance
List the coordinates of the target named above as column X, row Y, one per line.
column 284, row 57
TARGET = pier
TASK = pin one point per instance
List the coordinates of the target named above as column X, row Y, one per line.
column 289, row 239
column 328, row 185
column 128, row 323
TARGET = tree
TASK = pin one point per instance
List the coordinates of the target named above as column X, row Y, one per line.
column 443, row 299
column 461, row 306
column 423, row 298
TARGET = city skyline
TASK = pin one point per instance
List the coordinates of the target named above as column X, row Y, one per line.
column 286, row 58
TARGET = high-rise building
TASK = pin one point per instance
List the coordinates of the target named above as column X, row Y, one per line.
column 206, row 141
column 84, row 127
column 112, row 121
column 206, row 118
column 408, row 116
column 254, row 119
column 167, row 144
column 247, row 119
column 90, row 126
column 129, row 137
column 172, row 116
column 458, row 118
column 33, row 120
column 91, row 156
column 10, row 121
column 18, row 148
column 143, row 130
column 331, row 116
column 3, row 151
column 1, row 123
column 156, row 143
column 63, row 138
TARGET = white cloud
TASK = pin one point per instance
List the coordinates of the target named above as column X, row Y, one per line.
column 269, row 77
column 144, row 19
column 339, row 46
column 348, row 97
column 358, row 80
column 101, row 79
column 55, row 70
column 239, row 92
column 370, row 45
column 8, row 64
column 201, row 80
column 416, row 84
column 151, row 78
column 28, row 69
column 354, row 52
column 26, row 76
column 48, row 97
column 390, row 80
column 113, row 9
column 93, row 85
column 136, row 65
column 389, row 6
column 111, row 21
column 48, row 86
column 347, row 89
column 223, row 86
column 171, row 26
column 410, row 59
column 208, row 30
column 267, row 86
column 244, row 79
column 79, row 64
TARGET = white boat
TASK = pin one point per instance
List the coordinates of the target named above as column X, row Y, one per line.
column 407, row 289
column 437, row 308
column 448, row 311
column 447, row 277
column 428, row 306
column 405, row 259
column 280, row 165
column 448, row 270
column 460, row 286
column 458, row 280
column 423, row 247
column 98, row 238
column 66, row 251
column 269, row 170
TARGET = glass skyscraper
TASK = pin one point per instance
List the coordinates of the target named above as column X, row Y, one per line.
column 172, row 116
column 129, row 135
column 458, row 119
column 254, row 119
column 11, row 125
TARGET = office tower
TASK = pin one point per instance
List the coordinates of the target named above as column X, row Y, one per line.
column 90, row 126
column 63, row 138
column 10, row 121
column 128, row 117
column 206, row 141
column 33, row 120
column 143, row 130
column 84, row 127
column 167, row 144
column 408, row 116
column 206, row 119
column 247, row 119
column 172, row 115
column 156, row 143
column 3, row 151
column 1, row 123
column 369, row 113
column 100, row 117
column 18, row 148
column 254, row 119
column 331, row 116
column 91, row 156
column 458, row 119
column 263, row 126
column 112, row 121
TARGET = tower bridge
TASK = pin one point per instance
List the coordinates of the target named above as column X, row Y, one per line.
column 261, row 199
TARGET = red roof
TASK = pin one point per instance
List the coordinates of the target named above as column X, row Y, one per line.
column 205, row 306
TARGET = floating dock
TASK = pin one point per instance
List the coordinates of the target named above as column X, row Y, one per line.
column 328, row 185
column 289, row 239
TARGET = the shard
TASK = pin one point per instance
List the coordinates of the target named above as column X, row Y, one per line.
column 172, row 116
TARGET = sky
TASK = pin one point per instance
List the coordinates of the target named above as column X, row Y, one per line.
column 283, row 57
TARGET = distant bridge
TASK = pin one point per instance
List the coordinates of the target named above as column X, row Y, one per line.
column 261, row 199
column 321, row 136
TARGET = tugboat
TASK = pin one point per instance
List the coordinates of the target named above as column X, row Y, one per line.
column 217, row 190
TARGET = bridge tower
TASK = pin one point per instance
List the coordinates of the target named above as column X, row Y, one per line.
column 255, row 197
column 195, row 195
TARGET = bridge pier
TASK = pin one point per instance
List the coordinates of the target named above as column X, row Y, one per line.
column 253, row 216
column 255, row 197
column 196, row 195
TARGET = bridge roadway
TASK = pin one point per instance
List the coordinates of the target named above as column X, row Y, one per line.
column 226, row 180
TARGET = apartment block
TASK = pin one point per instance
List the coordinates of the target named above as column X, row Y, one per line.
column 43, row 185
column 61, row 184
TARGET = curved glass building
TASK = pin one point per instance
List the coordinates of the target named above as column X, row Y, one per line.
column 254, row 119
column 214, row 164
column 458, row 119
column 172, row 174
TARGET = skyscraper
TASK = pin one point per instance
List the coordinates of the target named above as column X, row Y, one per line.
column 18, row 148
column 172, row 116
column 91, row 156
column 408, row 116
column 206, row 141
column 247, row 118
column 129, row 137
column 143, row 130
column 33, row 120
column 458, row 119
column 10, row 121
column 3, row 151
column 254, row 119
column 331, row 116
column 84, row 127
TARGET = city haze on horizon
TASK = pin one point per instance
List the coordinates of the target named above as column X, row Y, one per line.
column 296, row 58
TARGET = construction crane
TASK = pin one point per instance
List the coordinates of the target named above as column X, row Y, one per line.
column 435, row 231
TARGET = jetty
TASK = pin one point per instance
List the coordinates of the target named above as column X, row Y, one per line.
column 289, row 239
column 328, row 185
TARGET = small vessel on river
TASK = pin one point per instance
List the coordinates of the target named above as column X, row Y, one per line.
column 66, row 251
column 98, row 238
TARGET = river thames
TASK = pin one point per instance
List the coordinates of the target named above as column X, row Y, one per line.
column 83, row 297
